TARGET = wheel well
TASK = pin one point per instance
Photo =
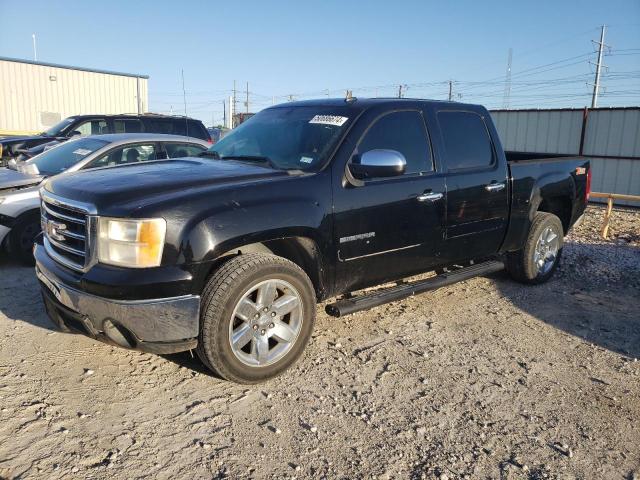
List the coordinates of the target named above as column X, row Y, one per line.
column 302, row 251
column 560, row 207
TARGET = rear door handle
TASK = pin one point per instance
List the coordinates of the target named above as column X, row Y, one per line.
column 494, row 187
column 429, row 197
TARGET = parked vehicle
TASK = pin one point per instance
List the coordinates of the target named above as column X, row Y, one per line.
column 19, row 199
column 24, row 147
column 229, row 253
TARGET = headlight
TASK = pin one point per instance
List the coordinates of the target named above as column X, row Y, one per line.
column 131, row 243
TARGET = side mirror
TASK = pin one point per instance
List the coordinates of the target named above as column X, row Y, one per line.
column 75, row 133
column 378, row 163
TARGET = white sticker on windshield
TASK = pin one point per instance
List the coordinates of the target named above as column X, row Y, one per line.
column 306, row 159
column 82, row 151
column 329, row 120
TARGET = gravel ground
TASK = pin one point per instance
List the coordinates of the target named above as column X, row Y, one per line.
column 483, row 379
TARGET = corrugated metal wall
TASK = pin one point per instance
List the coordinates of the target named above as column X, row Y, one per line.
column 611, row 141
column 539, row 131
column 33, row 96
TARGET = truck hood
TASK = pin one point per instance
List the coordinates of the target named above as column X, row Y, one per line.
column 20, row 139
column 139, row 184
column 12, row 179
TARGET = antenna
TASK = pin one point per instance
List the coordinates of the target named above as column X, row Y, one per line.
column 184, row 98
column 35, row 52
column 506, row 98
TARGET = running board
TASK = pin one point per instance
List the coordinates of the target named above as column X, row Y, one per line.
column 399, row 292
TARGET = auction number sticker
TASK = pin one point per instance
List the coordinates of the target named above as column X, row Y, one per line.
column 334, row 120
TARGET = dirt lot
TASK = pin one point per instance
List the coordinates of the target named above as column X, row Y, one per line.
column 484, row 379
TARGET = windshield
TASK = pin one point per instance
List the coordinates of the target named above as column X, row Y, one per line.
column 58, row 128
column 287, row 138
column 62, row 157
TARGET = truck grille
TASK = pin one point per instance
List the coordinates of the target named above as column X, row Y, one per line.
column 67, row 231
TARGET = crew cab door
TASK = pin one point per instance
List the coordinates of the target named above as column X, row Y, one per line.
column 477, row 186
column 389, row 228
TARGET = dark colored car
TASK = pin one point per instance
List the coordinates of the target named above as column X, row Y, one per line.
column 19, row 200
column 24, row 147
column 229, row 253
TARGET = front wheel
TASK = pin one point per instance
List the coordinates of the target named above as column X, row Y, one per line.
column 22, row 237
column 540, row 257
column 257, row 315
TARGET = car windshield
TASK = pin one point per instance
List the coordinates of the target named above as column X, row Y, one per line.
column 61, row 157
column 286, row 138
column 59, row 127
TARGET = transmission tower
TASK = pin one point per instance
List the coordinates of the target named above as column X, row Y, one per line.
column 596, row 83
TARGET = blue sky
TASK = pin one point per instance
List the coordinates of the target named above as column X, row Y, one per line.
column 305, row 48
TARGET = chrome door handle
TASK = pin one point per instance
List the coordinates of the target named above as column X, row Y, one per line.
column 429, row 197
column 494, row 187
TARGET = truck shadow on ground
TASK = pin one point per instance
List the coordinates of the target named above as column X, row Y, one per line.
column 600, row 310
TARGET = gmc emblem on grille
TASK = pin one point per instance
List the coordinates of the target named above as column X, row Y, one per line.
column 53, row 228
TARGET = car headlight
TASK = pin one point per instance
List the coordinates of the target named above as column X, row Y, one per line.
column 131, row 243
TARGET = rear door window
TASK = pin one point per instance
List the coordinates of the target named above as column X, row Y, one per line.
column 197, row 130
column 158, row 126
column 466, row 140
column 178, row 150
column 127, row 126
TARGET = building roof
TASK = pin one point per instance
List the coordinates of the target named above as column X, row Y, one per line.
column 71, row 67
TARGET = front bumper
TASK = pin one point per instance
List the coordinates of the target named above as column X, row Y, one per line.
column 164, row 325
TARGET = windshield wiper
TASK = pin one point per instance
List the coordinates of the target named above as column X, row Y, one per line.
column 251, row 158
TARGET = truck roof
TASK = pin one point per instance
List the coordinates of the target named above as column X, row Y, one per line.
column 360, row 104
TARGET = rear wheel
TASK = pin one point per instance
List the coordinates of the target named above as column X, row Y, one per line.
column 540, row 257
column 22, row 236
column 257, row 315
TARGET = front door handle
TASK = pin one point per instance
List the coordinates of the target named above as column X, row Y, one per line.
column 494, row 187
column 429, row 197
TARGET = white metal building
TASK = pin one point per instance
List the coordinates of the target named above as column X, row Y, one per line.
column 37, row 95
column 608, row 137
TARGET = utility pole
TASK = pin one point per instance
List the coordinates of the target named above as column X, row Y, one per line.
column 35, row 52
column 232, row 108
column 506, row 98
column 400, row 91
column 450, row 90
column 596, row 84
column 247, row 104
column 184, row 98
column 224, row 113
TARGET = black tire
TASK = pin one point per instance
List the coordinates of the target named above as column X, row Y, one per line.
column 521, row 264
column 224, row 290
column 22, row 236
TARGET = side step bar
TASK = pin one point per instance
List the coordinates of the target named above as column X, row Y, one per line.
column 399, row 292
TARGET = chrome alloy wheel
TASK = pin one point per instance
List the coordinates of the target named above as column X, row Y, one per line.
column 265, row 323
column 546, row 251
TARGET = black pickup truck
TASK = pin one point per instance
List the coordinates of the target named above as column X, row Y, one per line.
column 229, row 253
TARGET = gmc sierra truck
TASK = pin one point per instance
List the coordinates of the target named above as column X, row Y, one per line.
column 228, row 253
